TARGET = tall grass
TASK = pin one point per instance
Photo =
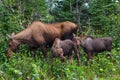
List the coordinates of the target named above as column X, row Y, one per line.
column 21, row 66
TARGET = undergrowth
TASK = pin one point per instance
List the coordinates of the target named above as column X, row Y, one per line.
column 22, row 66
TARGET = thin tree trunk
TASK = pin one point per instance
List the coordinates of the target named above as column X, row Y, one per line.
column 78, row 16
column 70, row 6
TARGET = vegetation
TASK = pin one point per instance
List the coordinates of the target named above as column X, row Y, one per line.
column 98, row 18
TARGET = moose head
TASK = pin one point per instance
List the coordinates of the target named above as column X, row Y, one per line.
column 13, row 45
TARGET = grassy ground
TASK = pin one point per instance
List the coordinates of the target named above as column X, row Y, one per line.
column 22, row 66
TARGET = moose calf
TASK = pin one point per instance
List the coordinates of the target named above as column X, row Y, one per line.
column 91, row 45
column 63, row 48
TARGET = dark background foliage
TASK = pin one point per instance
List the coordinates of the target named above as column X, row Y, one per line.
column 98, row 18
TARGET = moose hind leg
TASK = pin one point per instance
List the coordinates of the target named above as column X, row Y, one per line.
column 110, row 54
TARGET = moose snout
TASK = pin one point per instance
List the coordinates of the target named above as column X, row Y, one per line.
column 8, row 53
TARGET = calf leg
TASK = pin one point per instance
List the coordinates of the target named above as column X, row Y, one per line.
column 92, row 54
column 77, row 53
column 111, row 55
column 89, row 57
column 70, row 57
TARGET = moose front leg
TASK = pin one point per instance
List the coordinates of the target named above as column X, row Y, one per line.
column 32, row 51
column 44, row 51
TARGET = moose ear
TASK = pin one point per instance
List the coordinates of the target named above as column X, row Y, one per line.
column 12, row 35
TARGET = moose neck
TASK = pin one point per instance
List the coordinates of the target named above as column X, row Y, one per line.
column 23, row 36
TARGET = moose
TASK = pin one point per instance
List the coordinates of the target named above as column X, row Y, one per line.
column 94, row 45
column 41, row 35
column 63, row 48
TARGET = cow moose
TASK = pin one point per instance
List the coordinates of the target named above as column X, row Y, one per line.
column 40, row 35
column 63, row 48
column 94, row 45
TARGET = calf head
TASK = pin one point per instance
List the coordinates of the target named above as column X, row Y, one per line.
column 76, row 41
column 57, row 51
column 82, row 38
column 79, row 40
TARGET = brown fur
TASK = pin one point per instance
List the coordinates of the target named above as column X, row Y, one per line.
column 63, row 48
column 40, row 35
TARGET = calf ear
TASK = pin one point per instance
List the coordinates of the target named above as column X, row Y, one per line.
column 83, row 34
column 74, row 35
